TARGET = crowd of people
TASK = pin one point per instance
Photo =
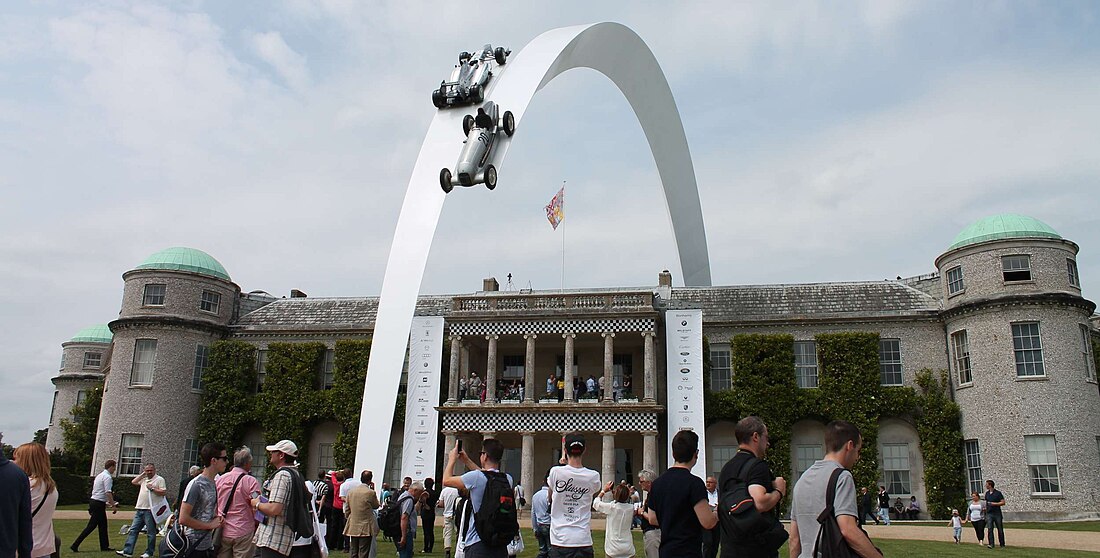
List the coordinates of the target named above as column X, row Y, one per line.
column 226, row 512
column 474, row 388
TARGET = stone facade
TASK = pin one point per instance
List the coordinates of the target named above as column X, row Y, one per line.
column 519, row 338
column 83, row 365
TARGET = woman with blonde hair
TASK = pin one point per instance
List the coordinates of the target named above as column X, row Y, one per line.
column 33, row 460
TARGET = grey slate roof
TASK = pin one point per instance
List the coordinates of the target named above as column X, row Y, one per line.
column 729, row 304
column 330, row 313
column 749, row 303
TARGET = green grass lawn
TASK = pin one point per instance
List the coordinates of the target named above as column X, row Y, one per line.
column 84, row 507
column 68, row 529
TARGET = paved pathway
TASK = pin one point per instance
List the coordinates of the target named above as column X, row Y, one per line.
column 1030, row 538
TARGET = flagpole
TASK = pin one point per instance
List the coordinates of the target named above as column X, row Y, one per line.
column 563, row 239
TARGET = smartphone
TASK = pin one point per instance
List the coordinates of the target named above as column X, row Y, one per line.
column 460, row 445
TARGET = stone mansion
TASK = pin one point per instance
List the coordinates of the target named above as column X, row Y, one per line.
column 1003, row 313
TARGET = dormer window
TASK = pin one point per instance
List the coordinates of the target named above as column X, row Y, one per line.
column 1016, row 268
column 154, row 294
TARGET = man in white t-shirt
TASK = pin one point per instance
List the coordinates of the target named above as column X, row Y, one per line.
column 572, row 487
column 149, row 481
column 447, row 498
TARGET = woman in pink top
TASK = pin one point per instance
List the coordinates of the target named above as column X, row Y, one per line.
column 34, row 461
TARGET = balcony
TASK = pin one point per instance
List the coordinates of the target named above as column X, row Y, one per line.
column 554, row 303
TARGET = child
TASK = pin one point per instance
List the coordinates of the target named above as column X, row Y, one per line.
column 956, row 524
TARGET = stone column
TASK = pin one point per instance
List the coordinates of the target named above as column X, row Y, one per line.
column 454, row 371
column 569, row 356
column 491, row 370
column 529, row 369
column 464, row 361
column 649, row 450
column 608, row 472
column 608, row 364
column 450, row 439
column 649, row 381
column 527, row 467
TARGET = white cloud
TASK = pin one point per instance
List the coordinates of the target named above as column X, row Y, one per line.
column 290, row 65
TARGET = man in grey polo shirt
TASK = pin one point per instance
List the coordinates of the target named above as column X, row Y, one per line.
column 842, row 444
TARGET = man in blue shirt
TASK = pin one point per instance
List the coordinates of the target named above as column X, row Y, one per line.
column 474, row 480
column 540, row 517
column 994, row 500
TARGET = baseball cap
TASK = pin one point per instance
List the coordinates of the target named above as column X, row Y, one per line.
column 574, row 444
column 285, row 446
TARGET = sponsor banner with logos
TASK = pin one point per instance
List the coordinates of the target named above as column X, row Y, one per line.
column 684, row 348
column 418, row 455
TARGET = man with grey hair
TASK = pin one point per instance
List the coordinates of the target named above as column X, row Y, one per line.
column 191, row 473
column 234, row 498
column 148, row 481
column 651, row 534
column 407, row 504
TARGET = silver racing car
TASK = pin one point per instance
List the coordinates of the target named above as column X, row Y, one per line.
column 469, row 77
column 482, row 132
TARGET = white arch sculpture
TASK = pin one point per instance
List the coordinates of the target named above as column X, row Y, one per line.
column 609, row 48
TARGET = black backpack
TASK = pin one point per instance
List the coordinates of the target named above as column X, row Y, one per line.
column 496, row 520
column 740, row 519
column 830, row 541
column 389, row 517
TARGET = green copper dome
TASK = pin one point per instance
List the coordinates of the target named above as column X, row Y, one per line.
column 999, row 227
column 98, row 333
column 185, row 259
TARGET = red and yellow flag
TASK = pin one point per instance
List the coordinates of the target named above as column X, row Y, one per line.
column 555, row 212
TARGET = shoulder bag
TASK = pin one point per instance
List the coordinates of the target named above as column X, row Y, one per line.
column 216, row 536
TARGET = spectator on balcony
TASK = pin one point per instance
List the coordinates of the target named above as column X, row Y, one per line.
column 561, row 389
column 616, row 390
column 600, row 382
column 551, row 386
column 590, row 386
column 627, row 391
column 462, row 388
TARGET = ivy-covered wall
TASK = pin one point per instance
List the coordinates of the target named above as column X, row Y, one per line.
column 291, row 402
column 849, row 388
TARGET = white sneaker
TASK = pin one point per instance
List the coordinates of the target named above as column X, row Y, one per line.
column 123, row 554
column 145, row 555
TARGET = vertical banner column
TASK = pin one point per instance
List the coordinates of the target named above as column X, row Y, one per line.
column 418, row 454
column 684, row 354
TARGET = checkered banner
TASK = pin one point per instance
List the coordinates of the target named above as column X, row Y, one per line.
column 549, row 422
column 557, row 326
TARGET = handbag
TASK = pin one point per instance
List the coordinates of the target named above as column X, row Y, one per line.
column 216, row 536
column 516, row 546
column 175, row 543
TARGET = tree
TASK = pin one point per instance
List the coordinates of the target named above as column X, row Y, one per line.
column 40, row 436
column 81, row 430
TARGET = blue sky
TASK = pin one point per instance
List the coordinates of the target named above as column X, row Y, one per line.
column 832, row 141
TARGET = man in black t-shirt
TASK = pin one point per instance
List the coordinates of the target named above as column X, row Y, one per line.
column 766, row 489
column 994, row 501
column 678, row 503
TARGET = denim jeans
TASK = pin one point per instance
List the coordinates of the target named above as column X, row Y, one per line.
column 997, row 520
column 542, row 535
column 884, row 515
column 404, row 551
column 142, row 517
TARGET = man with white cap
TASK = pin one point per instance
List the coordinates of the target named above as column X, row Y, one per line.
column 274, row 535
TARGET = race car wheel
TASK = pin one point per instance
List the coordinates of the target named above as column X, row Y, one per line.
column 438, row 99
column 476, row 95
column 509, row 122
column 490, row 177
column 467, row 124
column 445, row 181
column 500, row 56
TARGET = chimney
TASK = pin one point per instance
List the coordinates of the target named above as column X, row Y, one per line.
column 664, row 285
column 295, row 293
column 490, row 285
column 664, row 279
